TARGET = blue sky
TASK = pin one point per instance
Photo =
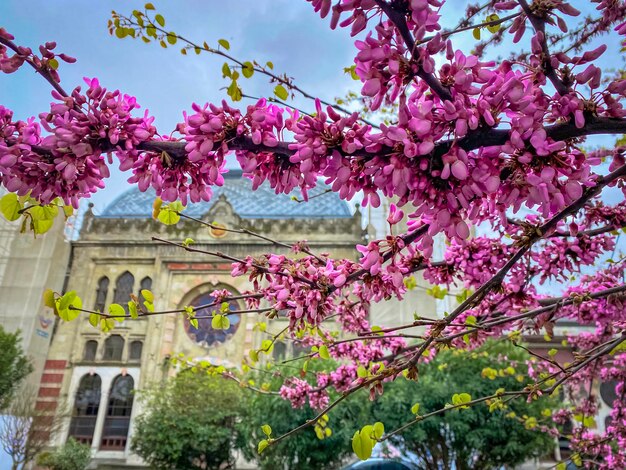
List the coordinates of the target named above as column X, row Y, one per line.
column 287, row 32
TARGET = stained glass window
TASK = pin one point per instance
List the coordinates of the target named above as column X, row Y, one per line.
column 205, row 335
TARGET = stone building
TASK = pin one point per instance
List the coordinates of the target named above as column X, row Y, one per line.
column 93, row 373
column 28, row 266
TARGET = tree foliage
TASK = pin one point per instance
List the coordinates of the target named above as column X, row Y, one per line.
column 492, row 434
column 189, row 422
column 70, row 456
column 14, row 365
column 325, row 446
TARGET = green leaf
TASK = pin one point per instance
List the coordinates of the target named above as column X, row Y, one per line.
column 48, row 298
column 159, row 19
column 10, row 206
column 267, row 346
column 362, row 445
column 132, row 310
column 493, row 28
column 171, row 38
column 53, row 64
column 248, row 69
column 379, row 430
column 270, row 65
column 361, row 371
column 226, row 70
column 120, row 33
column 323, row 352
column 476, row 33
column 561, row 466
column 149, row 6
column 168, row 216
column 147, row 295
column 194, row 322
column 234, row 91
column 94, row 319
column 415, row 408
column 220, row 322
column 262, row 445
column 41, row 226
column 461, row 399
column 267, row 430
column 224, row 43
column 188, row 241
column 117, row 311
column 281, row 92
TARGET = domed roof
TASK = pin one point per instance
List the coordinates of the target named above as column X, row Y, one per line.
column 263, row 203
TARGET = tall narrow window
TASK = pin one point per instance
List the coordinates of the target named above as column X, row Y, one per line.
column 135, row 351
column 85, row 411
column 113, row 348
column 91, row 347
column 146, row 283
column 101, row 294
column 123, row 288
column 119, row 409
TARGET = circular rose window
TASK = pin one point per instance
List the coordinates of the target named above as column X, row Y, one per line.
column 205, row 335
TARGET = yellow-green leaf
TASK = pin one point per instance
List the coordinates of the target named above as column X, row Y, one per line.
column 248, row 69
column 262, row 445
column 362, row 445
column 476, row 33
column 281, row 92
column 226, row 70
column 147, row 295
column 48, row 298
column 149, row 6
column 379, row 430
column 323, row 352
column 10, row 206
column 159, row 19
column 94, row 319
column 415, row 408
column 168, row 217
column 220, row 322
column 132, row 310
column 224, row 43
column 267, row 430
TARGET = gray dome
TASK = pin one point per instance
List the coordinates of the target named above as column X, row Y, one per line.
column 263, row 203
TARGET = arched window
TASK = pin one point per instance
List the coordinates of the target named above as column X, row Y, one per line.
column 146, row 283
column 119, row 408
column 135, row 351
column 204, row 335
column 91, row 347
column 113, row 348
column 85, row 412
column 123, row 288
column 101, row 294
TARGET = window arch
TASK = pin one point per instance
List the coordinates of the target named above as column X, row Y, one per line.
column 119, row 409
column 123, row 288
column 101, row 294
column 113, row 348
column 85, row 411
column 205, row 335
column 146, row 283
column 91, row 347
column 136, row 347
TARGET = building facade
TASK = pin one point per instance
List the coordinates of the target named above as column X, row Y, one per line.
column 93, row 374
